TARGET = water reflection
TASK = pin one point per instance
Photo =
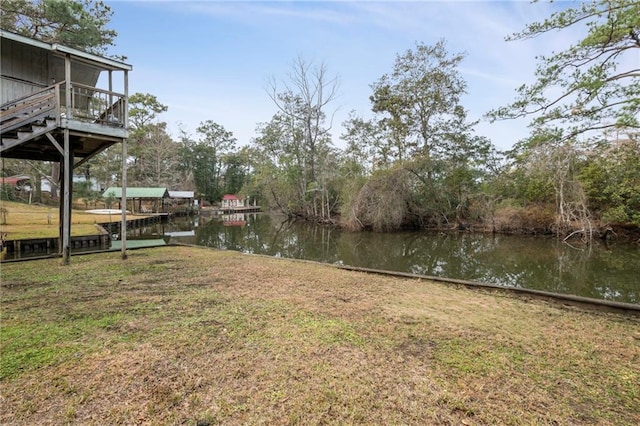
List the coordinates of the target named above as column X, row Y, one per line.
column 235, row 219
column 599, row 271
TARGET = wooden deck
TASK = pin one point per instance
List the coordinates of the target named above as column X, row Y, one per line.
column 229, row 210
column 46, row 247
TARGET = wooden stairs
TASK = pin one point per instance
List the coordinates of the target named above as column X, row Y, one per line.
column 29, row 117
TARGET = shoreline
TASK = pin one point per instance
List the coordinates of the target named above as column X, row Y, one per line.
column 201, row 336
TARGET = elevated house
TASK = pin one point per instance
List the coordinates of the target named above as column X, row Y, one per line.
column 60, row 104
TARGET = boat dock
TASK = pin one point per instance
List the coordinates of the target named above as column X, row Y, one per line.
column 34, row 247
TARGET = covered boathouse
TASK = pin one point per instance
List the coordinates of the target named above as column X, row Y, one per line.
column 64, row 105
column 143, row 200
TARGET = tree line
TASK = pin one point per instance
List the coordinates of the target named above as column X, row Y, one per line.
column 416, row 162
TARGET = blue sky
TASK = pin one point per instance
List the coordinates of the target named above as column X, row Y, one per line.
column 212, row 60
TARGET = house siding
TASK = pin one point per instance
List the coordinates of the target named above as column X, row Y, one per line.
column 27, row 69
column 24, row 70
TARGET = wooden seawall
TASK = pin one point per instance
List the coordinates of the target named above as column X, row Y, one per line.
column 114, row 227
column 35, row 247
column 213, row 211
column 18, row 249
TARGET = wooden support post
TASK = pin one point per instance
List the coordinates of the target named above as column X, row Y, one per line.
column 67, row 85
column 123, row 227
column 110, row 103
column 61, row 203
column 67, row 199
column 67, row 166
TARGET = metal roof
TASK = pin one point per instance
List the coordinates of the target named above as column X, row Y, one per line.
column 13, row 180
column 181, row 194
column 137, row 192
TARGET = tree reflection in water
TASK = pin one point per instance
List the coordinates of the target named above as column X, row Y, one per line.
column 541, row 263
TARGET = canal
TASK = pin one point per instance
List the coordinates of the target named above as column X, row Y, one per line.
column 601, row 270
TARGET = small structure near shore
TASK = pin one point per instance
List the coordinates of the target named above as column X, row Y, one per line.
column 183, row 201
column 232, row 203
column 143, row 200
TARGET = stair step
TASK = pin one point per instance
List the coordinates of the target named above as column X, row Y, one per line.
column 14, row 124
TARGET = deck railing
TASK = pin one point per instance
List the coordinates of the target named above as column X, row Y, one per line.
column 94, row 105
column 87, row 103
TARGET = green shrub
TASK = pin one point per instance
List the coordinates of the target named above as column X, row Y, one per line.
column 7, row 193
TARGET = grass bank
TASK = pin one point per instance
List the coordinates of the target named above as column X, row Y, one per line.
column 194, row 336
column 32, row 221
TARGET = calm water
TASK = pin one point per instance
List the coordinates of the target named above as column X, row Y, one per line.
column 605, row 271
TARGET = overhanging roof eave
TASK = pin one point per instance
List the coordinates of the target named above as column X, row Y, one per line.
column 96, row 60
column 100, row 61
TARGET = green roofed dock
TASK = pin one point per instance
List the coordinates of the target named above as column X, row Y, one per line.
column 141, row 200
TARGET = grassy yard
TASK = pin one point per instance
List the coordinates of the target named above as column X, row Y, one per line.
column 31, row 221
column 194, row 336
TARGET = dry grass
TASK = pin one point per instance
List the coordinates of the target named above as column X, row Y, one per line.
column 32, row 221
column 195, row 336
column 532, row 220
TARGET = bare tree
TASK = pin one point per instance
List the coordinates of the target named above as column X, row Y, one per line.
column 302, row 100
column 307, row 92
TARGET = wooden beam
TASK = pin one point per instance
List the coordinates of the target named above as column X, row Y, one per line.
column 67, row 161
column 67, row 199
column 61, row 188
column 123, row 201
column 89, row 157
column 55, row 143
column 98, row 130
column 67, row 85
column 123, row 226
